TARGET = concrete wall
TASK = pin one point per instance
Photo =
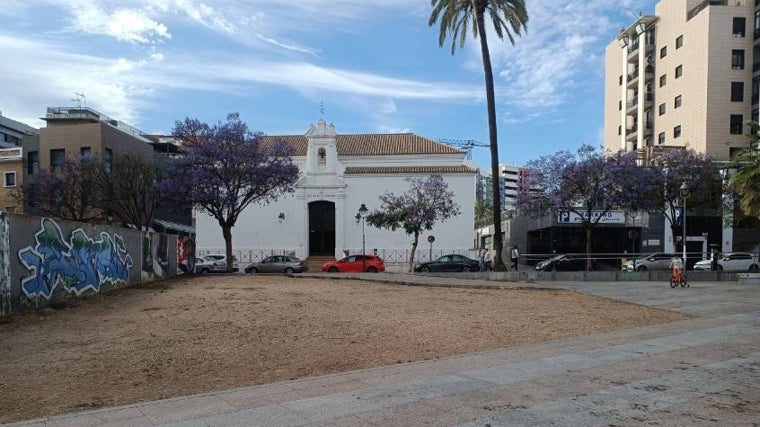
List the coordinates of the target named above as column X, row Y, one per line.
column 43, row 260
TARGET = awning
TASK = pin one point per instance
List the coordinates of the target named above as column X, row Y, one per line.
column 169, row 225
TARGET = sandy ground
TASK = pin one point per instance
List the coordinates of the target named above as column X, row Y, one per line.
column 190, row 335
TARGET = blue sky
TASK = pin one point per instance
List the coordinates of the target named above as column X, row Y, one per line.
column 376, row 67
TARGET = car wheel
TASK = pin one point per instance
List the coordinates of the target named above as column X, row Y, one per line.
column 205, row 271
column 253, row 270
column 371, row 269
column 425, row 269
column 642, row 268
column 753, row 268
column 466, row 269
column 332, row 270
column 289, row 270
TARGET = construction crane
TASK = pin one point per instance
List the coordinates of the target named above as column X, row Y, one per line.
column 463, row 144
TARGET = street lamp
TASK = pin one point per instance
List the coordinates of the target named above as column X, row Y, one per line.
column 362, row 215
column 685, row 190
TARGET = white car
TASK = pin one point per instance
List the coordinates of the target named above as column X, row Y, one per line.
column 214, row 264
column 735, row 261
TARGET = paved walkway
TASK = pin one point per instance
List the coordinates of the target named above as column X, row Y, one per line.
column 702, row 371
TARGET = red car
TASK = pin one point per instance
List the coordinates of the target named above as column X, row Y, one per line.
column 355, row 264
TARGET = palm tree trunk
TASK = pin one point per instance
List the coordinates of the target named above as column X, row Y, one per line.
column 493, row 140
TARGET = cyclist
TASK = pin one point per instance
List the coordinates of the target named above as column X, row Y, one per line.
column 676, row 264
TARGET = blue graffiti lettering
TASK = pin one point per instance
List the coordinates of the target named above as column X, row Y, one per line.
column 78, row 266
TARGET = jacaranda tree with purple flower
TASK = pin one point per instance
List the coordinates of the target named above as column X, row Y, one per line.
column 426, row 202
column 587, row 184
column 226, row 167
column 698, row 171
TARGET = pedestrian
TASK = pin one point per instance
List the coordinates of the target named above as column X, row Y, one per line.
column 482, row 256
column 489, row 260
column 515, row 257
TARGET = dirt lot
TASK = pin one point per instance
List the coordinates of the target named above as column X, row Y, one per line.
column 192, row 335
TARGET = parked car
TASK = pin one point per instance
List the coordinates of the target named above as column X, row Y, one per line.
column 452, row 262
column 204, row 265
column 655, row 261
column 355, row 264
column 736, row 261
column 214, row 263
column 564, row 263
column 277, row 264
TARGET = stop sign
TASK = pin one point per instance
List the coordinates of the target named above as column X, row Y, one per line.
column 431, row 239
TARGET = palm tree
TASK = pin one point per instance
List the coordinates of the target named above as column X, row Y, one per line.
column 482, row 207
column 508, row 18
column 746, row 181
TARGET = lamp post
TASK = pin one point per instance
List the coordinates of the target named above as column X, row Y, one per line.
column 362, row 215
column 685, row 189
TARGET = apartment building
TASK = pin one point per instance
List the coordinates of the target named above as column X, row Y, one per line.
column 12, row 133
column 683, row 77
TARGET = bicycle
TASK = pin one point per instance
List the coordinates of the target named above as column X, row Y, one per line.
column 678, row 278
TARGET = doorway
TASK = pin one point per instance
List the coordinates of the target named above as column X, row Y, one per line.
column 322, row 228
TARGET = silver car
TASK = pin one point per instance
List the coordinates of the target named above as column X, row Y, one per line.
column 656, row 261
column 277, row 264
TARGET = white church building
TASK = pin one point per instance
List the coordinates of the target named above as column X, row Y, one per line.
column 339, row 173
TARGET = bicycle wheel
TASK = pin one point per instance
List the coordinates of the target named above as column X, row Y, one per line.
column 673, row 283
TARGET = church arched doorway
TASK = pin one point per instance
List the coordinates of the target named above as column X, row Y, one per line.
column 322, row 228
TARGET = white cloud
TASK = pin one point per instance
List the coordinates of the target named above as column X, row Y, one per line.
column 124, row 24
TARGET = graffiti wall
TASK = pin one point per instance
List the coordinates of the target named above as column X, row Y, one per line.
column 46, row 257
column 5, row 267
column 77, row 263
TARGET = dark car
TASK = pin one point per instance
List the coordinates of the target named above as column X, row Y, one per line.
column 564, row 263
column 451, row 262
column 355, row 264
column 277, row 264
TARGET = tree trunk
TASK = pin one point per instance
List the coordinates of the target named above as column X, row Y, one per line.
column 589, row 232
column 493, row 140
column 414, row 250
column 227, row 233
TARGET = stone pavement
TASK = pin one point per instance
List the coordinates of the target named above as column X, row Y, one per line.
column 701, row 371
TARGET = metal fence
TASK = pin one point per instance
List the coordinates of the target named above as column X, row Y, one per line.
column 389, row 256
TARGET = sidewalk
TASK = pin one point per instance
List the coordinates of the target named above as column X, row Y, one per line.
column 702, row 371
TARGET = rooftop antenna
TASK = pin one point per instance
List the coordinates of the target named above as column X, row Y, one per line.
column 79, row 99
column 322, row 109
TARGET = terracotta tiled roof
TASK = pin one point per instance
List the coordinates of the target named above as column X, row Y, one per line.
column 371, row 144
column 408, row 169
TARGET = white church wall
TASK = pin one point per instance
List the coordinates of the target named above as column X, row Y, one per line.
column 258, row 229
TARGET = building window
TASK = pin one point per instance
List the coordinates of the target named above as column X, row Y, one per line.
column 661, row 138
column 737, row 91
column 679, row 71
column 757, row 22
column 10, row 179
column 664, row 52
column 108, row 160
column 620, row 130
column 679, row 41
column 677, row 102
column 677, row 131
column 32, row 162
column 57, row 157
column 85, row 153
column 620, row 105
column 662, row 108
column 620, row 80
column 737, row 59
column 736, row 124
column 739, row 25
column 662, row 80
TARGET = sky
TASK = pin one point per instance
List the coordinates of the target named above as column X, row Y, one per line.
column 365, row 66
